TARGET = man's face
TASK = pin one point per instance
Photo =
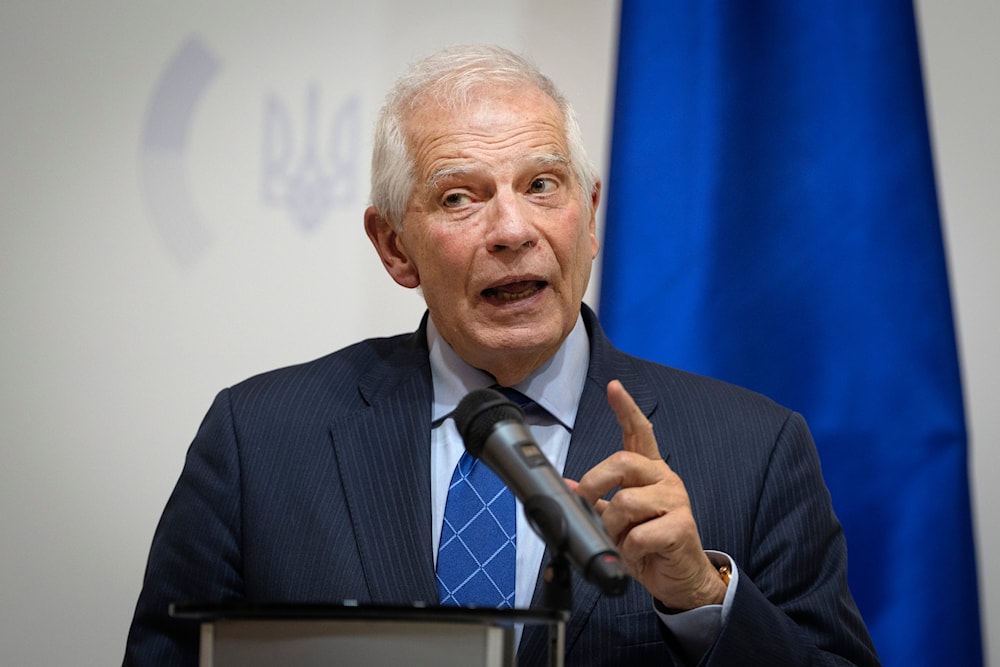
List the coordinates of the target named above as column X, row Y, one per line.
column 496, row 232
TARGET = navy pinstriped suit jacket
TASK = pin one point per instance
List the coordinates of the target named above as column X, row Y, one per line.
column 312, row 483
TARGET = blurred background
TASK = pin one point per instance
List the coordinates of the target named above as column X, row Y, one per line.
column 181, row 198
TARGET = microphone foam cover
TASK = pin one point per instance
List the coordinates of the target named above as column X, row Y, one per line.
column 479, row 412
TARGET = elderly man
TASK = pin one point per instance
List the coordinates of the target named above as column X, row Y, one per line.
column 334, row 480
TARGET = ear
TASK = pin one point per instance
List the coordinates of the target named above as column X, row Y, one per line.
column 389, row 246
column 595, row 199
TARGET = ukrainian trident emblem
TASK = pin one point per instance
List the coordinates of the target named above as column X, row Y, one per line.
column 312, row 168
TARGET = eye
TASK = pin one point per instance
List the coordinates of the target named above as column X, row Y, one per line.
column 541, row 185
column 455, row 199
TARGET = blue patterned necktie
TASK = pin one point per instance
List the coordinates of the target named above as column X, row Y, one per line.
column 478, row 548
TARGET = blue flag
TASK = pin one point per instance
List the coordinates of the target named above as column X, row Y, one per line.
column 772, row 221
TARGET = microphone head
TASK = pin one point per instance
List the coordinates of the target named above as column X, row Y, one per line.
column 479, row 412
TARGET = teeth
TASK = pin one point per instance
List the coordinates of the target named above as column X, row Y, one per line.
column 509, row 292
column 514, row 296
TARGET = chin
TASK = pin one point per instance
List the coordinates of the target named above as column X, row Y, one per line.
column 526, row 339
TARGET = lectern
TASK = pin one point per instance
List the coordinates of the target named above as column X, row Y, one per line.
column 313, row 635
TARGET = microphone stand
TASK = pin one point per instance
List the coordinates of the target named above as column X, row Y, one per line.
column 557, row 595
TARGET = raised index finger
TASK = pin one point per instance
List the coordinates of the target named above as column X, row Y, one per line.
column 637, row 431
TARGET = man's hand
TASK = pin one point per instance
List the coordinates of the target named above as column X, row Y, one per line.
column 649, row 517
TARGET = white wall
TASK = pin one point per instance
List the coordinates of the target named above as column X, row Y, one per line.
column 125, row 308
column 960, row 56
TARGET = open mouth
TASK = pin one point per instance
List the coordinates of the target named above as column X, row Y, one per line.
column 514, row 291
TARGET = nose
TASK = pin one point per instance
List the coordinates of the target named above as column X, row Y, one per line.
column 511, row 225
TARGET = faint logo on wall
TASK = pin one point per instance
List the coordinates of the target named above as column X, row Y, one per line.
column 309, row 161
column 319, row 171
column 164, row 141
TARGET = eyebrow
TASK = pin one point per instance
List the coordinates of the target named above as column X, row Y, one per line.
column 542, row 160
column 447, row 172
column 550, row 159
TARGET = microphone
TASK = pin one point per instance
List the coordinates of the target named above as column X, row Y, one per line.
column 494, row 430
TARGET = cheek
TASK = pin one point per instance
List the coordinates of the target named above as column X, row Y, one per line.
column 585, row 243
column 448, row 258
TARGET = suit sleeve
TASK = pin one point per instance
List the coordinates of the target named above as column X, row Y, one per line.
column 195, row 555
column 792, row 605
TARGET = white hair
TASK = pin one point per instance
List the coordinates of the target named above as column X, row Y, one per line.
column 451, row 75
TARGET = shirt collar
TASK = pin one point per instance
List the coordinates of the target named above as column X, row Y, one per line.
column 556, row 386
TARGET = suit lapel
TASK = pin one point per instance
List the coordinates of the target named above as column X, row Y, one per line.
column 383, row 452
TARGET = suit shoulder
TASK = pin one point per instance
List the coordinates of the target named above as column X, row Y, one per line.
column 668, row 388
column 710, row 397
column 331, row 379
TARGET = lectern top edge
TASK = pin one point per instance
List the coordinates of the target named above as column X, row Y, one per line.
column 208, row 612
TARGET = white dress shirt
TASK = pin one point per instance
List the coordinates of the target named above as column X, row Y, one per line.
column 556, row 386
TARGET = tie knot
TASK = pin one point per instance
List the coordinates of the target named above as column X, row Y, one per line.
column 515, row 396
column 534, row 413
